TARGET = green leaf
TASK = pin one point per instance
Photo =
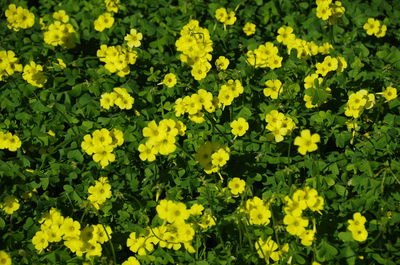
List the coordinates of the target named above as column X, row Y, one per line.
column 68, row 188
column 326, row 251
column 2, row 223
column 44, row 182
column 345, row 236
column 76, row 155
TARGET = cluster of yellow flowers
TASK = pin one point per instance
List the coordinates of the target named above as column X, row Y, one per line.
column 313, row 81
column 5, row 259
column 331, row 64
column 9, row 141
column 307, row 142
column 100, row 192
column 160, row 138
column 195, row 44
column 375, row 27
column 269, row 249
column 229, row 91
column 175, row 232
column 104, row 21
column 357, row 227
column 33, row 74
column 119, row 97
column 279, row 125
column 117, row 58
column 304, row 48
column 223, row 16
column 329, row 10
column 60, row 32
column 195, row 104
column 19, row 18
column 55, row 228
column 358, row 102
column 101, row 144
column 10, row 204
column 8, row 64
column 295, row 223
column 212, row 156
column 257, row 211
column 266, row 55
column 112, row 5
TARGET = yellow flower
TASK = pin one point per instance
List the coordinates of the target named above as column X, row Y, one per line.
column 13, row 143
column 107, row 100
column 147, row 152
column 133, row 38
column 359, row 233
column 61, row 15
column 51, row 133
column 331, row 63
column 199, row 71
column 260, row 215
column 249, row 29
column 295, row 224
column 196, row 209
column 10, row 204
column 285, row 35
column 19, row 18
column 139, row 244
column 307, row 237
column 220, row 157
column 61, row 63
column 230, row 19
column 382, row 31
column 33, row 74
column 307, row 142
column 221, row 14
column 70, row 228
column 267, row 249
column 112, row 5
column 99, row 193
column 389, row 93
column 207, row 221
column 372, row 26
column 104, row 21
column 103, row 233
column 274, row 88
column 123, row 99
column 237, row 186
column 222, row 63
column 131, row 261
column 357, row 220
column 357, row 227
column 103, row 155
column 239, row 127
column 102, row 137
column 5, row 259
column 40, row 240
column 169, row 80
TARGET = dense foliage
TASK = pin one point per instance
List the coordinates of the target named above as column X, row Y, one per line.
column 199, row 132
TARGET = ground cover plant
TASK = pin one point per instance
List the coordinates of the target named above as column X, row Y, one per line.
column 199, row 132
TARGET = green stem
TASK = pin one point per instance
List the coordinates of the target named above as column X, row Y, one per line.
column 111, row 244
column 214, row 125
